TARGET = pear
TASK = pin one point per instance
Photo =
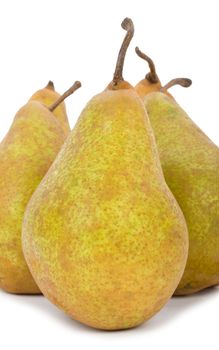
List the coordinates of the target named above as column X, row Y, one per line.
column 26, row 153
column 102, row 235
column 47, row 97
column 190, row 161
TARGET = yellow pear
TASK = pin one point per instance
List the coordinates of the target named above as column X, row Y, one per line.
column 102, row 235
column 26, row 153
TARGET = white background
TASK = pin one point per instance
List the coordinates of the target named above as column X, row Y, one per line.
column 79, row 40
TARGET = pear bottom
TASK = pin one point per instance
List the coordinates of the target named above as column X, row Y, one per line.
column 16, row 281
column 127, row 305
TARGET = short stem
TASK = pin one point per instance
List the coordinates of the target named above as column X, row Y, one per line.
column 184, row 82
column 70, row 91
column 50, row 85
column 152, row 75
column 128, row 25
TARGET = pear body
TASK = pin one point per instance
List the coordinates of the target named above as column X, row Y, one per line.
column 103, row 236
column 26, row 153
column 190, row 162
column 47, row 97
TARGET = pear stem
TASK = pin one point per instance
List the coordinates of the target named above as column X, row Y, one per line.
column 152, row 75
column 67, row 93
column 184, row 82
column 128, row 25
column 50, row 85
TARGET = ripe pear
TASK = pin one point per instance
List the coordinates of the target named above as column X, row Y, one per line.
column 26, row 153
column 47, row 97
column 190, row 161
column 102, row 235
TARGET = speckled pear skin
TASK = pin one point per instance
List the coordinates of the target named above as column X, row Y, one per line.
column 103, row 236
column 26, row 153
column 190, row 161
column 48, row 96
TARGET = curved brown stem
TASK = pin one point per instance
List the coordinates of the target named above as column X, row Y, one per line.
column 67, row 93
column 184, row 82
column 50, row 85
column 152, row 75
column 128, row 25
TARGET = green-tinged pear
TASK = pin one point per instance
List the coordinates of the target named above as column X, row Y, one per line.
column 190, row 162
